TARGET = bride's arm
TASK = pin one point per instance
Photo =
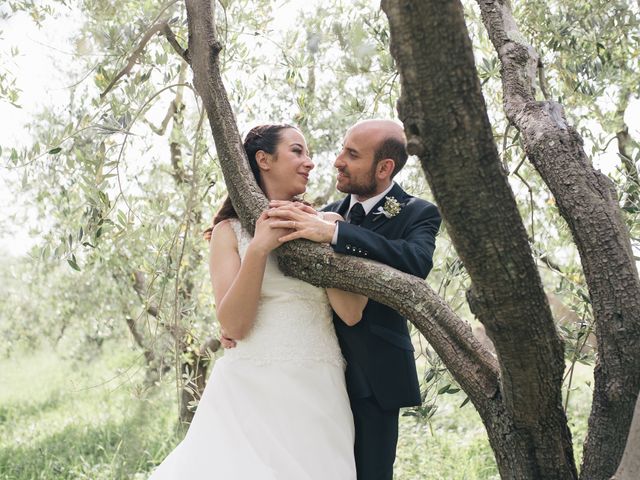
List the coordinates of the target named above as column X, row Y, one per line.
column 347, row 305
column 236, row 285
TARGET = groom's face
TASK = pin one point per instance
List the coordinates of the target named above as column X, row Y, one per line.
column 355, row 165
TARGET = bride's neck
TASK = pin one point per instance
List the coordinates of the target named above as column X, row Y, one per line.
column 274, row 194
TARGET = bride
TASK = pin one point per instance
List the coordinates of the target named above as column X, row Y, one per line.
column 276, row 406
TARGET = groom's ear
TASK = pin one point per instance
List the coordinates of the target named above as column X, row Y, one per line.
column 262, row 159
column 384, row 168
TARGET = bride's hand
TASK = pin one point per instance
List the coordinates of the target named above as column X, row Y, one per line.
column 267, row 234
column 303, row 207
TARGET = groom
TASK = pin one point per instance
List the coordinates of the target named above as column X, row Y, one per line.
column 385, row 224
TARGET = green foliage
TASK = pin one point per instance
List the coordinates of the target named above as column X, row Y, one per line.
column 119, row 204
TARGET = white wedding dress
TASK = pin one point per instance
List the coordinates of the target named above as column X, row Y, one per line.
column 275, row 406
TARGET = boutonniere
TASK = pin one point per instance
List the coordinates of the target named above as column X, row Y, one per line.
column 390, row 209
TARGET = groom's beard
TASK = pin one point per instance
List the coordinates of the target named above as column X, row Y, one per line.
column 365, row 187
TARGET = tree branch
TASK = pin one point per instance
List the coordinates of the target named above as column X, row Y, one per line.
column 173, row 41
column 542, row 81
column 165, row 121
column 133, row 58
column 139, row 288
column 139, row 339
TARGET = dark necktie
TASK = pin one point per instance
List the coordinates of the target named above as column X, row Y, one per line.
column 357, row 214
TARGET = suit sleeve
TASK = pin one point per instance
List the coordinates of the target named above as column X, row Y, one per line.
column 411, row 254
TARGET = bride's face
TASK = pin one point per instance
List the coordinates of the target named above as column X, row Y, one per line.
column 288, row 169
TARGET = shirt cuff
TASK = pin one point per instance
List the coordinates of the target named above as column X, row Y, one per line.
column 334, row 239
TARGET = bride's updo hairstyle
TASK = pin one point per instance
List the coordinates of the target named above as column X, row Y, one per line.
column 265, row 138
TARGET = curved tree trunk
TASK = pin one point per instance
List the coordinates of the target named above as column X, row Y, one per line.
column 588, row 203
column 447, row 126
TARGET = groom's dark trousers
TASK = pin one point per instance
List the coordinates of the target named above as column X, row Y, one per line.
column 381, row 371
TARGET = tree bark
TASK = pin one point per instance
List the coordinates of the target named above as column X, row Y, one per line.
column 447, row 126
column 588, row 203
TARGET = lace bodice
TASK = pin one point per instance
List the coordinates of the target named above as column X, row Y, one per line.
column 293, row 322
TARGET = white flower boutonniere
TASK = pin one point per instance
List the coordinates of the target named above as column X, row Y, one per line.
column 390, row 209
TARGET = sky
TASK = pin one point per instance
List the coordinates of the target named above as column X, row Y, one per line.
column 41, row 50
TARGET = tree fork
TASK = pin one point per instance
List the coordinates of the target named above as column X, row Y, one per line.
column 588, row 203
column 447, row 126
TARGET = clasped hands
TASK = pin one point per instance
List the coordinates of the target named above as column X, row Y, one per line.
column 303, row 220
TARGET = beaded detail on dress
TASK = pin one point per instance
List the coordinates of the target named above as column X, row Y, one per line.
column 293, row 322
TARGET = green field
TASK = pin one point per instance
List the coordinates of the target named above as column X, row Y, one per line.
column 66, row 419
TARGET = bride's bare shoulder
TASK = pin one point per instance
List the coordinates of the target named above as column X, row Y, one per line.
column 223, row 234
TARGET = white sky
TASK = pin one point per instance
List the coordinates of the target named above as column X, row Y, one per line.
column 41, row 84
column 35, row 67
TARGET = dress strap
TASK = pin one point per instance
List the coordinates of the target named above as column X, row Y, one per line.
column 242, row 236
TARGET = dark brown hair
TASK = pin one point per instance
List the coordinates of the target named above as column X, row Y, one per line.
column 262, row 137
column 392, row 148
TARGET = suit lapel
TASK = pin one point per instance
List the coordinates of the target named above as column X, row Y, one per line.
column 374, row 221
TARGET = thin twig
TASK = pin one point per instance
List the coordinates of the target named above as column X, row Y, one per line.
column 173, row 41
column 133, row 58
column 187, row 226
column 517, row 174
column 504, row 147
column 161, row 28
column 121, row 193
column 542, row 80
column 576, row 353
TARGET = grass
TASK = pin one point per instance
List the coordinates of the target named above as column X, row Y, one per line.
column 64, row 419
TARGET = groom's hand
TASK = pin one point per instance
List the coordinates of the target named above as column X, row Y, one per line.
column 311, row 226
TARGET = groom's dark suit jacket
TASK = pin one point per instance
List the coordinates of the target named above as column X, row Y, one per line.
column 378, row 350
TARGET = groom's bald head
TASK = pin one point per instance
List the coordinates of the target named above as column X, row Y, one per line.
column 372, row 153
column 388, row 140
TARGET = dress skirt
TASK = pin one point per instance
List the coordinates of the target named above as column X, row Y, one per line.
column 268, row 421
